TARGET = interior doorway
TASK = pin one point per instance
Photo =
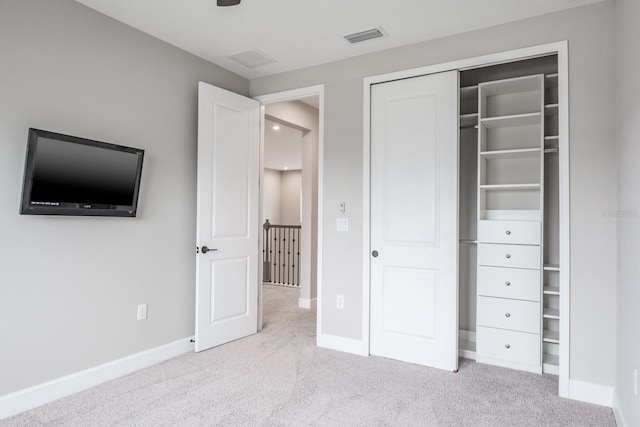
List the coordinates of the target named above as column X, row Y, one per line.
column 291, row 191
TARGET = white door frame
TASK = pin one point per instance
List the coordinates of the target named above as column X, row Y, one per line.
column 293, row 95
column 559, row 48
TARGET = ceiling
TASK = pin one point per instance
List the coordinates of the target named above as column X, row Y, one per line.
column 302, row 33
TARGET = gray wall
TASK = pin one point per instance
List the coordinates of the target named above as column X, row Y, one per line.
column 271, row 188
column 69, row 286
column 290, row 197
column 628, row 125
column 590, row 32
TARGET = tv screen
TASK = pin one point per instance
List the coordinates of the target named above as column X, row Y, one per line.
column 67, row 175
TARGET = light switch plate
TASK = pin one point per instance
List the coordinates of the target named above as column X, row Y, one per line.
column 342, row 224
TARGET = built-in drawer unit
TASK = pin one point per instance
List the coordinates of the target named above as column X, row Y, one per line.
column 510, row 346
column 509, row 232
column 515, row 256
column 509, row 283
column 515, row 315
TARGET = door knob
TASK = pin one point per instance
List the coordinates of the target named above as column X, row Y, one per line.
column 206, row 249
column 374, row 254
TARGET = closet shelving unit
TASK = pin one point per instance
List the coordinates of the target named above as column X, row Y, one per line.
column 509, row 216
column 551, row 268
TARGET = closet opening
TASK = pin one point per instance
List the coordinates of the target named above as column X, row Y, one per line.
column 511, row 243
column 509, row 216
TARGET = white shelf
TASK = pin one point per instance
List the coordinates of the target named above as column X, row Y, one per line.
column 551, row 80
column 551, row 290
column 469, row 92
column 551, row 267
column 509, row 215
column 551, row 313
column 515, row 85
column 551, row 337
column 505, row 154
column 469, row 120
column 551, row 138
column 507, row 187
column 512, row 120
column 550, row 109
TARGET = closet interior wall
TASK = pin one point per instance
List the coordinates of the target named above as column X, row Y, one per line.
column 468, row 203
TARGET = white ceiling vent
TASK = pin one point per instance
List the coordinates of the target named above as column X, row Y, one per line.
column 252, row 58
column 373, row 33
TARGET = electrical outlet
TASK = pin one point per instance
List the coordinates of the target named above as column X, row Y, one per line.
column 142, row 311
column 339, row 301
column 635, row 381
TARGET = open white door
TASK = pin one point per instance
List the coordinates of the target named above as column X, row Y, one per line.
column 227, row 217
column 414, row 220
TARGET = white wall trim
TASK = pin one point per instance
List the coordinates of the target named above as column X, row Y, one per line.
column 565, row 219
column 617, row 413
column 597, row 394
column 307, row 303
column 559, row 48
column 28, row 398
column 346, row 345
column 292, row 95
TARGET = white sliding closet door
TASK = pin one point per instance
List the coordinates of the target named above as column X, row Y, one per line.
column 414, row 220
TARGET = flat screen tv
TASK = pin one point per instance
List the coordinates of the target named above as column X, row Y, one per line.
column 67, row 175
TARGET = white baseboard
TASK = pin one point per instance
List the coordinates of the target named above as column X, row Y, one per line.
column 597, row 394
column 29, row 398
column 307, row 303
column 620, row 421
column 346, row 345
column 466, row 344
column 464, row 335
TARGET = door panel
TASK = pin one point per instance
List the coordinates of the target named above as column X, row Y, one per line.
column 405, row 293
column 414, row 227
column 227, row 217
column 409, row 124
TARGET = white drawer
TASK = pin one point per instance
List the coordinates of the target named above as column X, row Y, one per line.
column 515, row 256
column 518, row 347
column 513, row 283
column 515, row 315
column 510, row 232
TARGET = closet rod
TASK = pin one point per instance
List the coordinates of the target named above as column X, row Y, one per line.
column 470, row 242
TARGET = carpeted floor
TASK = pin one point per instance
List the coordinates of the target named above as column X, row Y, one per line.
column 280, row 378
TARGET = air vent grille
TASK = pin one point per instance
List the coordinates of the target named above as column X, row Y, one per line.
column 252, row 58
column 373, row 33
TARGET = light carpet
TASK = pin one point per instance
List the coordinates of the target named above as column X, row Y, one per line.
column 280, row 378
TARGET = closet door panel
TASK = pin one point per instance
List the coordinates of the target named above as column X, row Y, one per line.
column 414, row 236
